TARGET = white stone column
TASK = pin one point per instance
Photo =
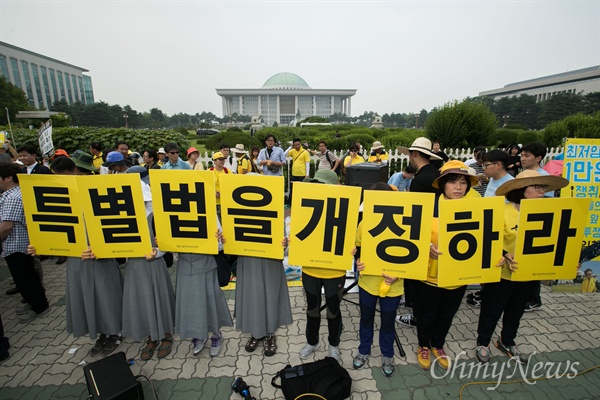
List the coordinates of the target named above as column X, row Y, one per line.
column 277, row 112
column 349, row 106
column 332, row 105
column 259, row 105
column 314, row 105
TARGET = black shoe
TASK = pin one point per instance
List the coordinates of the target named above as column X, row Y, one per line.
column 99, row 346
column 61, row 260
column 12, row 291
column 533, row 306
column 473, row 302
column 112, row 344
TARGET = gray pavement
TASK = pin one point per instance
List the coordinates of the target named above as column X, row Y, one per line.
column 46, row 362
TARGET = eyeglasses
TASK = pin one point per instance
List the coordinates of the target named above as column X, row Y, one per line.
column 173, row 152
column 540, row 188
column 488, row 164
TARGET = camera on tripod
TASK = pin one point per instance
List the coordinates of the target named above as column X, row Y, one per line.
column 241, row 387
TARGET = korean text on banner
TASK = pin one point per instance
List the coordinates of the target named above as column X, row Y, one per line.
column 113, row 206
column 471, row 233
column 323, row 225
column 54, row 214
column 396, row 231
column 582, row 169
column 549, row 238
column 252, row 215
column 185, row 210
column 45, row 139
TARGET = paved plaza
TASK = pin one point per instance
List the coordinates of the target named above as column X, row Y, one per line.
column 46, row 362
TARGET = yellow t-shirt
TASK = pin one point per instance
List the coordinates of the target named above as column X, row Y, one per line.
column 588, row 285
column 243, row 164
column 371, row 283
column 511, row 223
column 377, row 158
column 97, row 161
column 218, row 183
column 299, row 158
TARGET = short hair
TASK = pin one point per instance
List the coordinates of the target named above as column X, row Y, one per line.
column 10, row 169
column 120, row 143
column 296, row 140
column 380, row 186
column 513, row 146
column 223, row 146
column 588, row 270
column 410, row 169
column 496, row 155
column 452, row 178
column 515, row 196
column 324, row 142
column 62, row 164
column 421, row 154
column 535, row 148
column 353, row 147
column 97, row 146
column 436, row 141
column 27, row 148
column 270, row 136
column 171, row 146
column 152, row 154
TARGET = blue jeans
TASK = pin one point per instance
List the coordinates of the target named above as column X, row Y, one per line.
column 387, row 330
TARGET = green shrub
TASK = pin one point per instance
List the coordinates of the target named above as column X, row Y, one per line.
column 530, row 137
column 574, row 126
column 230, row 138
column 506, row 136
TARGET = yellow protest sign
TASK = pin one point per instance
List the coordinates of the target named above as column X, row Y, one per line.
column 252, row 215
column 396, row 232
column 323, row 225
column 582, row 169
column 549, row 237
column 54, row 214
column 471, row 233
column 185, row 210
column 115, row 217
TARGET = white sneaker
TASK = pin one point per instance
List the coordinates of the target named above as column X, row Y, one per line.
column 334, row 352
column 308, row 349
column 198, row 345
column 216, row 342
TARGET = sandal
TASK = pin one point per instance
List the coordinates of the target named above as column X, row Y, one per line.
column 165, row 347
column 252, row 344
column 148, row 350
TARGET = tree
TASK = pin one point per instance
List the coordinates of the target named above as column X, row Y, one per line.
column 465, row 124
column 573, row 126
column 12, row 98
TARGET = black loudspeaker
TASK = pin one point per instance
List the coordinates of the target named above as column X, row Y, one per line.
column 366, row 174
column 111, row 379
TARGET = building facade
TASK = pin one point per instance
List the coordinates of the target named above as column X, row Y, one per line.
column 285, row 97
column 43, row 79
column 582, row 81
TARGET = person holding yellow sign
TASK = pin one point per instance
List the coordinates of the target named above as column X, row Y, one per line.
column 437, row 305
column 510, row 297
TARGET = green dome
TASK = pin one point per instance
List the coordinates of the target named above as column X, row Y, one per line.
column 285, row 80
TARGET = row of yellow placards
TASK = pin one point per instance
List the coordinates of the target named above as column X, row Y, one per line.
column 64, row 213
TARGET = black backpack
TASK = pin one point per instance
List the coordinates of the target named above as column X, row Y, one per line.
column 338, row 170
column 325, row 378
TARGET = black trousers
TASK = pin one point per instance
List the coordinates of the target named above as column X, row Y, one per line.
column 506, row 297
column 333, row 295
column 27, row 280
column 292, row 180
column 437, row 307
column 535, row 292
column 410, row 295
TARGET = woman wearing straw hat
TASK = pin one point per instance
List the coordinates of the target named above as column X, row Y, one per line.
column 438, row 305
column 509, row 297
column 377, row 154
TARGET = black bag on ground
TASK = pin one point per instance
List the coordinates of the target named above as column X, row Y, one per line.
column 223, row 268
column 325, row 378
column 168, row 257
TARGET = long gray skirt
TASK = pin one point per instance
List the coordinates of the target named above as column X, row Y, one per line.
column 94, row 297
column 201, row 304
column 262, row 300
column 148, row 299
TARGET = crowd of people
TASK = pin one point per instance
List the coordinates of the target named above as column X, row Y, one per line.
column 144, row 306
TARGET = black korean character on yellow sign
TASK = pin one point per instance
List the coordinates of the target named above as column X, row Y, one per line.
column 54, row 211
column 565, row 232
column 489, row 236
column 387, row 222
column 119, row 229
column 331, row 221
column 180, row 201
column 252, row 224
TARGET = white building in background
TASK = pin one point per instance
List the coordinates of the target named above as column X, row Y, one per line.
column 43, row 79
column 582, row 81
column 282, row 97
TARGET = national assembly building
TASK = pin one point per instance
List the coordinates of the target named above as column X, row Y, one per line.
column 284, row 97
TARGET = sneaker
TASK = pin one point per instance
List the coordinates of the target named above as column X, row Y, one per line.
column 216, row 343
column 270, row 346
column 406, row 319
column 473, row 302
column 360, row 361
column 12, row 291
column 387, row 366
column 533, row 306
column 308, row 349
column 512, row 351
column 23, row 310
column 441, row 357
column 30, row 315
column 482, row 353
column 99, row 346
column 112, row 344
column 198, row 346
column 252, row 344
column 423, row 358
column 334, row 352
column 476, row 295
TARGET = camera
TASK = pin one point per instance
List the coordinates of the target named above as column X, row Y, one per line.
column 239, row 386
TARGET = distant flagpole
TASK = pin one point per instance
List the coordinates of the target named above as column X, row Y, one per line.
column 14, row 144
